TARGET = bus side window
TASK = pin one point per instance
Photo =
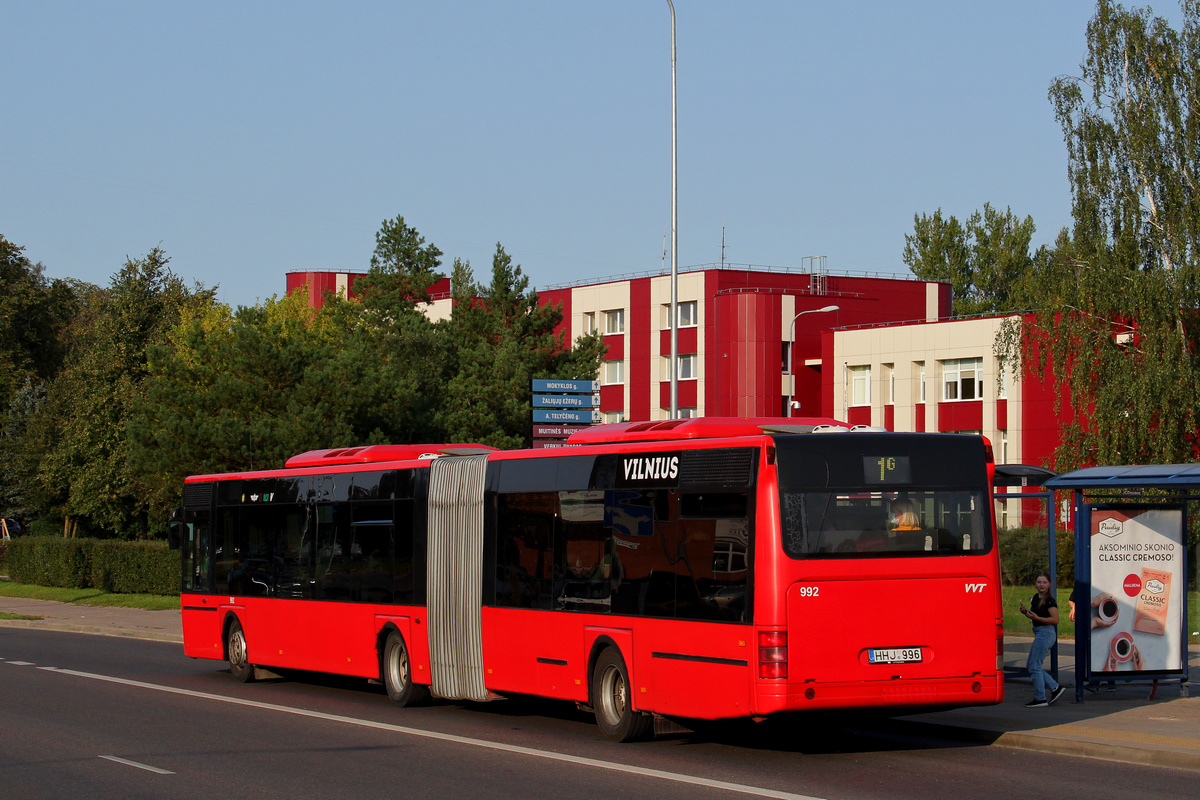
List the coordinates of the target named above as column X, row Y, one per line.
column 583, row 569
column 524, row 549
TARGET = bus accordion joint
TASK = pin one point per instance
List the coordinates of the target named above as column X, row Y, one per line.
column 772, row 654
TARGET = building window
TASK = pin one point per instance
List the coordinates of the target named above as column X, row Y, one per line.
column 687, row 367
column 589, row 323
column 889, row 374
column 860, row 386
column 962, row 379
column 614, row 321
column 687, row 314
column 611, row 417
column 1003, row 459
column 729, row 556
column 689, row 412
column 614, row 371
column 787, row 358
column 1002, row 384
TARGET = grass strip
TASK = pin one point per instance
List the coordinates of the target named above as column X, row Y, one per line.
column 1017, row 625
column 89, row 597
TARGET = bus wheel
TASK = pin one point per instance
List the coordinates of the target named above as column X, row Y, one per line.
column 397, row 673
column 239, row 658
column 612, row 699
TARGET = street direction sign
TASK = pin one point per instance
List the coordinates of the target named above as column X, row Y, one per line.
column 566, row 401
column 556, row 431
column 542, row 385
column 576, row 416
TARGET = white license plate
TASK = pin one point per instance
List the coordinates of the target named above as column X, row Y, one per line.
column 894, row 655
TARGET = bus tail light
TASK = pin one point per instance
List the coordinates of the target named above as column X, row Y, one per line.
column 999, row 647
column 772, row 654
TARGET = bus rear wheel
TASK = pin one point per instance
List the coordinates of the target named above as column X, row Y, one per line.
column 613, row 700
column 396, row 667
column 239, row 656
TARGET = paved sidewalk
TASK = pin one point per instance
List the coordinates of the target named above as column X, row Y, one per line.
column 163, row 626
column 1124, row 725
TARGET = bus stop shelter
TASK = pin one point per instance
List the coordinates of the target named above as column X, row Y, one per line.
column 1013, row 483
column 1131, row 571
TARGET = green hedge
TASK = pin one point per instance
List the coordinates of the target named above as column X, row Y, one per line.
column 1023, row 554
column 109, row 564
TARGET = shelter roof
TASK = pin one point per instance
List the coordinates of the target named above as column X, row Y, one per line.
column 1128, row 476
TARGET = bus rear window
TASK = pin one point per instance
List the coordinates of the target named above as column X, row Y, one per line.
column 856, row 524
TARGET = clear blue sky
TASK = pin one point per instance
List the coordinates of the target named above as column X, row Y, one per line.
column 250, row 139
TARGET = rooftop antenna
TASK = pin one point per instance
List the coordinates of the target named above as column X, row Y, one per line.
column 722, row 245
column 664, row 257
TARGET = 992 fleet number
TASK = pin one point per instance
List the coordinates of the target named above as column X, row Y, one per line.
column 810, row 591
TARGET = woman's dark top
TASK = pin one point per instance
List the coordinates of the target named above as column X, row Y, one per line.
column 1041, row 609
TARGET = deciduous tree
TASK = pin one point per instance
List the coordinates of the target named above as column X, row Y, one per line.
column 1116, row 334
column 74, row 457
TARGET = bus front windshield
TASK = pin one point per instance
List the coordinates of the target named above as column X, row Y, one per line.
column 855, row 524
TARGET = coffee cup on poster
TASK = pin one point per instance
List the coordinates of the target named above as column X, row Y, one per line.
column 1107, row 611
column 1122, row 647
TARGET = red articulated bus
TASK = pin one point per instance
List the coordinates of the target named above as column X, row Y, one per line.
column 706, row 568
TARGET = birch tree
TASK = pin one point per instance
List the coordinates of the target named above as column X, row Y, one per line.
column 1116, row 334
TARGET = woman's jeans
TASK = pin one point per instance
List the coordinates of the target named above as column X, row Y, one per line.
column 1043, row 639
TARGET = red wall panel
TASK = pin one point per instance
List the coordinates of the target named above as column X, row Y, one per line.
column 687, row 341
column 639, row 372
column 688, row 393
column 966, row 415
column 612, row 398
column 858, row 415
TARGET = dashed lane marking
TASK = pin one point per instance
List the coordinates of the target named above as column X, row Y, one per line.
column 139, row 765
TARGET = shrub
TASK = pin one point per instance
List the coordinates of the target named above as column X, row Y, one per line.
column 1024, row 553
column 50, row 561
column 134, row 567
column 111, row 565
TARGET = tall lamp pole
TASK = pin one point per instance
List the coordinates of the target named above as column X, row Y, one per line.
column 674, row 234
column 792, row 354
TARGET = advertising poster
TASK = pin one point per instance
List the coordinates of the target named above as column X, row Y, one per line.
column 1137, row 591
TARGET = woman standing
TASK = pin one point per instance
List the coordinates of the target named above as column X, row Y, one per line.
column 1043, row 612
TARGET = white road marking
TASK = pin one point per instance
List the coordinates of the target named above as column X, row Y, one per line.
column 612, row 766
column 146, row 767
column 20, row 663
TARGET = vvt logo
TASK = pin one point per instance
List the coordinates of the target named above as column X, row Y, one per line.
column 975, row 587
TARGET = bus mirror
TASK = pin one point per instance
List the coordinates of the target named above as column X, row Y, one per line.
column 175, row 529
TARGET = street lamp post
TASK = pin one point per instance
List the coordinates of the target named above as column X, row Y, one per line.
column 674, row 234
column 792, row 354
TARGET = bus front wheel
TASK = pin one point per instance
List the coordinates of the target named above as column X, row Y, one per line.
column 239, row 657
column 612, row 698
column 397, row 673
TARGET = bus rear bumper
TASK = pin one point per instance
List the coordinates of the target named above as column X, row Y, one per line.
column 955, row 692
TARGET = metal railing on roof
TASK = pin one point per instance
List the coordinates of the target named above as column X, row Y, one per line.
column 728, row 265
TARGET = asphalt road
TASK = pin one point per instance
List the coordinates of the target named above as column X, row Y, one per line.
column 101, row 717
